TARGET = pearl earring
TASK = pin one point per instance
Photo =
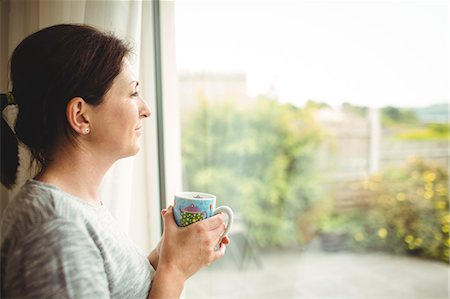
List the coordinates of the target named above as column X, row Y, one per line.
column 86, row 131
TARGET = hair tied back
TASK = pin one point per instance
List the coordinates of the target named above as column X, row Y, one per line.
column 6, row 99
column 9, row 150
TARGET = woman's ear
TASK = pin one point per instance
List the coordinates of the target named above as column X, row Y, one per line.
column 77, row 115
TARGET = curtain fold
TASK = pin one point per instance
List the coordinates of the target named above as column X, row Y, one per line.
column 131, row 186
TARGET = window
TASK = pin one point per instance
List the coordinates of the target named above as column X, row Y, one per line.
column 324, row 125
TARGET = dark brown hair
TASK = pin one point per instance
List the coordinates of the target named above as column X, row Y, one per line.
column 48, row 69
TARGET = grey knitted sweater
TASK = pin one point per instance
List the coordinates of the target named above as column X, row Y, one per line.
column 54, row 245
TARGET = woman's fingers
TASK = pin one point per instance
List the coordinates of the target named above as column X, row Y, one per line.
column 217, row 254
column 217, row 233
column 213, row 222
column 192, row 247
column 225, row 240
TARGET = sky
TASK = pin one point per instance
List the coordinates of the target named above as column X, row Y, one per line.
column 371, row 53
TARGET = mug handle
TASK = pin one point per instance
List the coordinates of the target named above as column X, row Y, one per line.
column 227, row 210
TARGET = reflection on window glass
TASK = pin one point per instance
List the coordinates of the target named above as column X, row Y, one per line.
column 324, row 125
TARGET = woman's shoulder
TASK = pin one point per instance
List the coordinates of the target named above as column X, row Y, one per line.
column 38, row 203
column 31, row 205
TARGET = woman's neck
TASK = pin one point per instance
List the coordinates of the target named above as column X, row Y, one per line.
column 77, row 172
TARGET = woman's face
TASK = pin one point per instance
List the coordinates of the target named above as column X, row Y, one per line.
column 117, row 122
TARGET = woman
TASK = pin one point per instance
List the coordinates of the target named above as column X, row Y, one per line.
column 79, row 112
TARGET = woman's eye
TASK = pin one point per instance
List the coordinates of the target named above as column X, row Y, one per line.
column 135, row 94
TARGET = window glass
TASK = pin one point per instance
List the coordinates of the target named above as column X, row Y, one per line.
column 324, row 125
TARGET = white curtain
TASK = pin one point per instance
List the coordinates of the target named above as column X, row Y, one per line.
column 130, row 189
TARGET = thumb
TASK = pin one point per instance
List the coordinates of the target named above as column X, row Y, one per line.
column 168, row 218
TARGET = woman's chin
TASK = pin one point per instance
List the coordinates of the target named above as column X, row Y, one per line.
column 130, row 152
column 135, row 150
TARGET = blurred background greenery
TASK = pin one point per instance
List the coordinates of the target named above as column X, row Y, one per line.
column 400, row 210
column 261, row 158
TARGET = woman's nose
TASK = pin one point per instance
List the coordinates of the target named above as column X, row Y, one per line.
column 144, row 109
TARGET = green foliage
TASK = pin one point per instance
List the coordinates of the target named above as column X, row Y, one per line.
column 311, row 104
column 407, row 211
column 392, row 115
column 428, row 132
column 258, row 158
column 333, row 223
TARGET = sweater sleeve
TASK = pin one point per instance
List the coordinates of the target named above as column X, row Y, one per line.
column 55, row 260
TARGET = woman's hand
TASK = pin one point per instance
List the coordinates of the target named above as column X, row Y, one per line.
column 183, row 251
column 154, row 255
column 190, row 248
